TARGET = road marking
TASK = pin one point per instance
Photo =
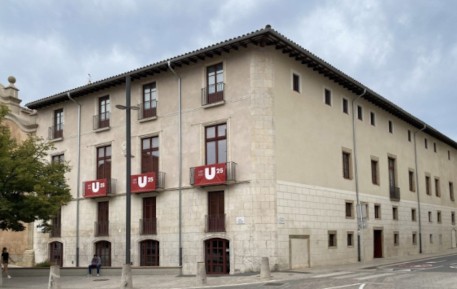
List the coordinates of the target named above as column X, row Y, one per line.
column 361, row 286
column 351, row 275
column 349, row 285
column 374, row 276
column 434, row 262
column 332, row 274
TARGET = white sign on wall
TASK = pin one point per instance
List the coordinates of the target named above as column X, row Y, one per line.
column 239, row 221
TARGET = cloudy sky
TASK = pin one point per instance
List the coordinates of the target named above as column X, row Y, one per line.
column 406, row 50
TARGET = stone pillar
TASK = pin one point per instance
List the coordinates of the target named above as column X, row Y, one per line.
column 54, row 277
column 265, row 269
column 126, row 279
column 201, row 273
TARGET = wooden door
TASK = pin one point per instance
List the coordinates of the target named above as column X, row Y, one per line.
column 217, row 256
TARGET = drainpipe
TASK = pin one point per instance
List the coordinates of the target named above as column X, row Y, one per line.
column 78, row 172
column 359, row 207
column 417, row 186
column 180, row 160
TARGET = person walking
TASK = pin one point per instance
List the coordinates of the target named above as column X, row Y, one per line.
column 5, row 258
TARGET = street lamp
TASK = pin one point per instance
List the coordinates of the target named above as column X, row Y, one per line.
column 126, row 271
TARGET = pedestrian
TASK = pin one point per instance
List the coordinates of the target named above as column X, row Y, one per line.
column 95, row 263
column 5, row 258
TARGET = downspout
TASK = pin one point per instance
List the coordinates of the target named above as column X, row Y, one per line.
column 417, row 186
column 180, row 160
column 356, row 176
column 78, row 173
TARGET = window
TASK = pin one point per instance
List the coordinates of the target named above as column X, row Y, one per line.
column 350, row 239
column 438, row 217
column 104, row 162
column 359, row 112
column 102, row 224
column 426, row 143
column 58, row 124
column 430, row 217
column 296, row 82
column 150, row 155
column 377, row 211
column 149, row 107
column 394, row 193
column 451, row 191
column 332, row 239
column 347, row 167
column 328, row 97
column 395, row 213
column 449, row 155
column 345, row 106
column 216, row 144
column 409, row 135
column 453, row 218
column 396, row 238
column 413, row 215
column 349, row 210
column 434, row 147
column 215, row 83
column 391, row 127
column 431, row 238
column 412, row 182
column 372, row 119
column 149, row 221
column 58, row 159
column 374, row 172
column 414, row 238
column 427, row 186
column 103, row 112
column 56, row 224
column 437, row 187
column 149, row 253
column 216, row 212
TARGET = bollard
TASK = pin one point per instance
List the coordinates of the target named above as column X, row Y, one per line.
column 265, row 268
column 54, row 277
column 126, row 279
column 201, row 273
column 1, row 278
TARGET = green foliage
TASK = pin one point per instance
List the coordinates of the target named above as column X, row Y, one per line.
column 31, row 188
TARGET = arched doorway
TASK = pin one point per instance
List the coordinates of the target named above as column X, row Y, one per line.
column 103, row 249
column 56, row 253
column 217, row 256
column 149, row 253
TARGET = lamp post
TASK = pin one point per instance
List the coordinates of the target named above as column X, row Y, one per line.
column 126, row 269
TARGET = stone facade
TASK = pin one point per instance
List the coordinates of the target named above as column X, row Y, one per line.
column 290, row 200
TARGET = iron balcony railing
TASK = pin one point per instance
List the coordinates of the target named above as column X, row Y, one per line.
column 148, row 226
column 101, row 228
column 148, row 109
column 55, row 132
column 55, row 231
column 215, row 223
column 395, row 194
column 101, row 120
column 213, row 93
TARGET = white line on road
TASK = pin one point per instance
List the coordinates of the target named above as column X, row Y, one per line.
column 344, row 286
column 374, row 276
column 351, row 275
column 332, row 274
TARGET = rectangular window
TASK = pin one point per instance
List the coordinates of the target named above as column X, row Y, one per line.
column 350, row 239
column 414, row 238
column 215, row 83
column 104, row 162
column 427, row 186
column 103, row 111
column 150, row 155
column 430, row 217
column 149, row 221
column 332, row 239
column 394, row 192
column 396, row 238
column 374, row 172
column 347, row 167
column 391, row 127
column 58, row 159
column 413, row 215
column 345, row 106
column 409, row 135
column 56, row 225
column 412, row 182
column 438, row 217
column 395, row 213
column 449, row 155
column 296, row 82
column 216, row 144
column 453, row 218
column 372, row 119
column 58, row 124
column 149, row 107
column 437, row 187
column 431, row 238
column 451, row 191
column 434, row 147
column 349, row 210
column 359, row 112
column 216, row 212
column 377, row 211
column 328, row 97
column 102, row 224
column 425, row 143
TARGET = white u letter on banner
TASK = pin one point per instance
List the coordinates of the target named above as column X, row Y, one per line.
column 142, row 181
column 95, row 187
column 208, row 175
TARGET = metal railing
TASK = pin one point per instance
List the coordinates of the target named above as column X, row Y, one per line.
column 55, row 231
column 101, row 120
column 213, row 93
column 160, row 181
column 395, row 194
column 148, row 226
column 148, row 109
column 55, row 132
column 215, row 223
column 101, row 228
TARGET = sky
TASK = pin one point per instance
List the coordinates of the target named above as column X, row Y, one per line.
column 405, row 50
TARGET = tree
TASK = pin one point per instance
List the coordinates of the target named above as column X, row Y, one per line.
column 31, row 188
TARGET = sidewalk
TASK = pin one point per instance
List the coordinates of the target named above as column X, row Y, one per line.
column 177, row 282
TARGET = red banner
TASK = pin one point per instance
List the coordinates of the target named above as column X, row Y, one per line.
column 215, row 174
column 97, row 188
column 143, row 183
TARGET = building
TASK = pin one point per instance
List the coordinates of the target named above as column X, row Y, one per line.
column 21, row 122
column 249, row 148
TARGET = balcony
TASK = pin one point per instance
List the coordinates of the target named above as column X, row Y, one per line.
column 147, row 182
column 148, row 110
column 215, row 223
column 101, row 121
column 148, row 226
column 55, row 132
column 213, row 94
column 101, row 228
column 55, row 231
column 215, row 174
column 99, row 188
column 395, row 194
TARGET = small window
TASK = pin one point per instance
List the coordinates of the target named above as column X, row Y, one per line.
column 345, row 106
column 391, row 127
column 372, row 119
column 347, row 166
column 413, row 215
column 396, row 238
column 434, row 147
column 332, row 239
column 426, row 143
column 412, row 181
column 449, row 155
column 375, row 172
column 296, row 82
column 451, row 191
column 349, row 210
column 328, row 97
column 430, row 220
column 438, row 217
column 395, row 213
column 453, row 218
column 409, row 135
column 377, row 211
column 427, row 186
column 437, row 188
column 431, row 238
column 414, row 238
column 359, row 112
column 350, row 239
